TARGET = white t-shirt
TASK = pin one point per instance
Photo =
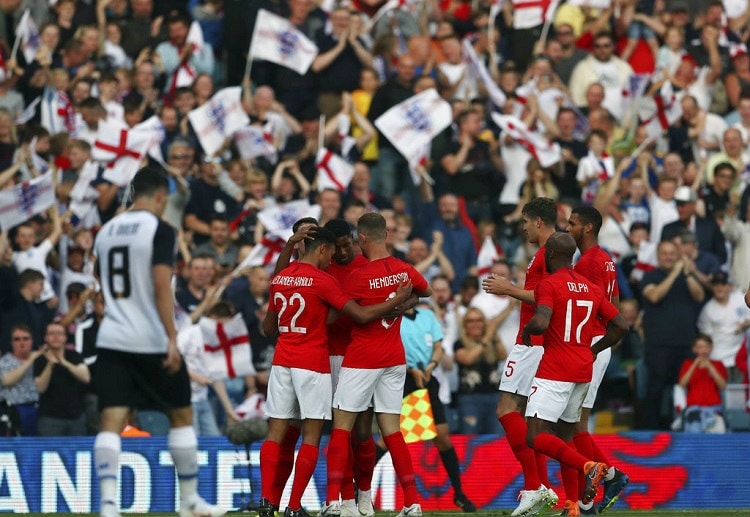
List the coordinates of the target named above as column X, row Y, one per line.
column 36, row 258
column 190, row 345
column 721, row 322
column 662, row 213
column 491, row 305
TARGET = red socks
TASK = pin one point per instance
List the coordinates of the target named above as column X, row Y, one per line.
column 541, row 468
column 338, row 451
column 364, row 453
column 515, row 432
column 269, row 466
column 403, row 467
column 347, row 483
column 555, row 448
column 307, row 458
column 286, row 462
column 598, row 455
column 570, row 479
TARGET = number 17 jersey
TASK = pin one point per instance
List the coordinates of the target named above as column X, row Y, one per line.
column 126, row 249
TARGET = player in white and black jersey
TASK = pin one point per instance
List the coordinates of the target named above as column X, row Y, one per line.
column 137, row 357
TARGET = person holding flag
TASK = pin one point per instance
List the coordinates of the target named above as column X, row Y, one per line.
column 180, row 54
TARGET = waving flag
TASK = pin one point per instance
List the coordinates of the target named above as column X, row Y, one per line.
column 414, row 122
column 254, row 141
column 660, row 111
column 185, row 73
column 58, row 114
column 545, row 152
column 83, row 197
column 28, row 34
column 277, row 40
column 158, row 134
column 227, row 348
column 120, row 150
column 29, row 112
column 19, row 203
column 418, row 166
column 487, row 256
column 333, row 171
column 531, row 13
column 219, row 118
column 264, row 253
column 279, row 219
column 496, row 95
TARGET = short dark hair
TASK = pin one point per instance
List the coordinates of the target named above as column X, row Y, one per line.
column 28, row 276
column 542, row 207
column 304, row 220
column 589, row 215
column 221, row 309
column 23, row 327
column 318, row 237
column 178, row 17
column 339, row 228
column 704, row 337
column 372, row 224
column 725, row 166
column 148, row 181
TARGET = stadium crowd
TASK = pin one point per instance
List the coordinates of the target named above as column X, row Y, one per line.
column 649, row 102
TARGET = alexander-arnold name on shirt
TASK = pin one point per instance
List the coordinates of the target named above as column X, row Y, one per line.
column 387, row 281
column 297, row 281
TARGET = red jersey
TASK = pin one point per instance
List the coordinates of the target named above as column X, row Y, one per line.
column 599, row 268
column 339, row 332
column 378, row 343
column 575, row 304
column 702, row 389
column 300, row 295
column 536, row 270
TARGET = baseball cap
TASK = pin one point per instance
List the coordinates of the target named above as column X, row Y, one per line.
column 719, row 278
column 685, row 194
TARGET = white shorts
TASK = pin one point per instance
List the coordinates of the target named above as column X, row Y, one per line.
column 520, row 368
column 335, row 361
column 556, row 400
column 600, row 368
column 358, row 388
column 298, row 393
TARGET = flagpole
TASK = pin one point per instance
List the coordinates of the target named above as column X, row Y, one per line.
column 321, row 131
column 15, row 48
column 549, row 17
column 248, row 65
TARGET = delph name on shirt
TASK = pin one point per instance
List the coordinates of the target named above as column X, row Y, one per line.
column 387, row 281
column 577, row 288
column 297, row 281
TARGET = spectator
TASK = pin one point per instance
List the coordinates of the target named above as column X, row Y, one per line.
column 670, row 295
column 20, row 305
column 176, row 54
column 85, row 344
column 219, row 245
column 704, row 379
column 195, row 297
column 737, row 232
column 707, row 231
column 248, row 301
column 716, row 195
column 18, row 389
column 430, row 262
column 573, row 149
column 60, row 376
column 570, row 54
column 734, row 152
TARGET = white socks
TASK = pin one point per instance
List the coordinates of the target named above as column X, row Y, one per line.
column 107, row 463
column 183, row 446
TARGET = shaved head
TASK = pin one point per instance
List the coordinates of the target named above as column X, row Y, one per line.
column 559, row 251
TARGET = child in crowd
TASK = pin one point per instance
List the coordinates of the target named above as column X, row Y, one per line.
column 703, row 379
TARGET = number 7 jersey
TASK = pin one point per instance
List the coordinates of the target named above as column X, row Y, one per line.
column 126, row 249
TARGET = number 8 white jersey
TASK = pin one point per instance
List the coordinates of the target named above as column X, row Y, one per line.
column 127, row 248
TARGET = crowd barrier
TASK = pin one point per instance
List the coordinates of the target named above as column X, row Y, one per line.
column 666, row 471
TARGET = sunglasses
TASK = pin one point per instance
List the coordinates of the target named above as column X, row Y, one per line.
column 208, row 159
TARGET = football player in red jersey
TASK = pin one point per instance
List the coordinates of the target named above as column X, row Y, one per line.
column 599, row 268
column 567, row 307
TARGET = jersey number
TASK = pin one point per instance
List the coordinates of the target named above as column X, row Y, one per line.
column 569, row 318
column 119, row 271
column 293, row 323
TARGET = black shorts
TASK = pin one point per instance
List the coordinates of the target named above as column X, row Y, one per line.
column 433, row 386
column 139, row 381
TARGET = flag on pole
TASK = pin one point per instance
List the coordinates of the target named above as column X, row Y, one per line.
column 418, row 166
column 496, row 95
column 417, row 421
column 227, row 348
column 277, row 40
column 487, row 256
column 531, row 13
column 413, row 123
column 158, row 134
column 58, row 114
column 496, row 6
column 83, row 197
column 21, row 202
column 279, row 219
column 29, row 112
column 28, row 33
column 660, row 111
column 120, row 150
column 219, row 118
column 333, row 172
column 185, row 73
column 545, row 152
column 254, row 141
column 264, row 253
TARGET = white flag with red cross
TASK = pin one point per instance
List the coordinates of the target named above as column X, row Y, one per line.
column 254, row 141
column 477, row 67
column 158, row 134
column 120, row 151
column 19, row 203
column 413, row 123
column 227, row 348
column 219, row 118
column 545, row 152
column 333, row 171
column 186, row 73
column 277, row 40
column 264, row 253
column 487, row 256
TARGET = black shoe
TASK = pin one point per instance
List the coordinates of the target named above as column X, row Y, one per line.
column 463, row 502
column 266, row 509
column 295, row 513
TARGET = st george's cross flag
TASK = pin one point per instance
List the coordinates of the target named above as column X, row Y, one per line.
column 19, row 203
column 227, row 348
column 476, row 67
column 154, row 125
column 545, row 152
column 264, row 253
column 185, row 73
column 219, row 118
column 333, row 172
column 487, row 256
column 279, row 219
column 254, row 141
column 277, row 40
column 28, row 33
column 593, row 4
column 413, row 123
column 120, row 151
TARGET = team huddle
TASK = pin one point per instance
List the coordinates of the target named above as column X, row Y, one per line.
column 340, row 356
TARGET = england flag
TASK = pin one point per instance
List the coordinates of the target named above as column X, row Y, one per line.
column 58, row 114
column 264, row 253
column 279, row 219
column 185, row 73
column 545, row 152
column 592, row 4
column 254, row 141
column 413, row 123
column 227, row 348
column 28, row 34
column 120, row 150
column 158, row 134
column 487, row 256
column 219, row 119
column 476, row 67
column 19, row 203
column 333, row 171
column 83, row 198
column 277, row 40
